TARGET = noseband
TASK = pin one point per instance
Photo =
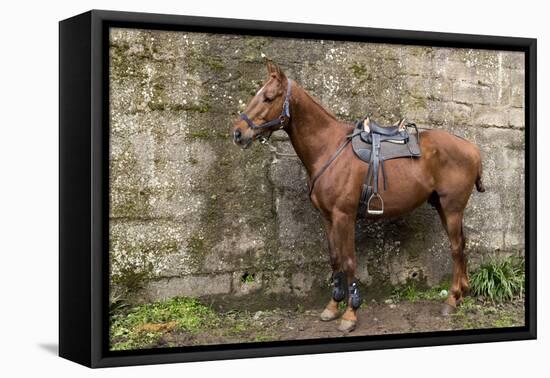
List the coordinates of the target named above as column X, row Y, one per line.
column 285, row 112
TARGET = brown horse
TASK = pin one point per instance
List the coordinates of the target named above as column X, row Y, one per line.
column 444, row 176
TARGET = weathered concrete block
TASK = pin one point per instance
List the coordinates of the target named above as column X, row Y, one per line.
column 147, row 249
column 416, row 60
column 278, row 284
column 187, row 286
column 301, row 283
column 516, row 117
column 236, row 251
column 448, row 113
column 514, row 60
column 468, row 93
column 498, row 116
column 437, row 88
column 490, row 116
column 517, row 87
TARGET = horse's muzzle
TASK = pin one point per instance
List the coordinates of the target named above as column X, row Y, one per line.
column 242, row 139
column 237, row 136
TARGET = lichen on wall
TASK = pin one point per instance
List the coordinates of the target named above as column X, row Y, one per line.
column 193, row 215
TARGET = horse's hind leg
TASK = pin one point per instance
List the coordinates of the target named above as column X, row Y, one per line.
column 452, row 222
column 460, row 277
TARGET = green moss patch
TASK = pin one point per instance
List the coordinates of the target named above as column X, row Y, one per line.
column 359, row 70
column 177, row 321
column 412, row 293
column 143, row 326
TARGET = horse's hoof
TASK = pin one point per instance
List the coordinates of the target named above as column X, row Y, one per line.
column 328, row 315
column 347, row 325
column 447, row 309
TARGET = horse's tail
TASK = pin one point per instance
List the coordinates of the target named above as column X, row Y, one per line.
column 479, row 183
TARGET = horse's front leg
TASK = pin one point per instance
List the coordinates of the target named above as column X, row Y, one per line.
column 349, row 265
column 338, row 278
column 341, row 237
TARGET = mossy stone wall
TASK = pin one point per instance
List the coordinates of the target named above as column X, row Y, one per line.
column 193, row 215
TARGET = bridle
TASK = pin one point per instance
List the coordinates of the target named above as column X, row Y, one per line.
column 279, row 121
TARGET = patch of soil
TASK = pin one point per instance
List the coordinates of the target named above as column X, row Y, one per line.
column 373, row 319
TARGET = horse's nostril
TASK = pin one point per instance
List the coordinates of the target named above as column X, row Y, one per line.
column 237, row 135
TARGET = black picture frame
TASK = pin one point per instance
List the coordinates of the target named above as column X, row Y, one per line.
column 84, row 201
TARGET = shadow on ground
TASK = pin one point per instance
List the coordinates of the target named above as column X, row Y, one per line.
column 51, row 348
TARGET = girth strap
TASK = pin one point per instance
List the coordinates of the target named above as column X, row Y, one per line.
column 375, row 159
column 383, row 174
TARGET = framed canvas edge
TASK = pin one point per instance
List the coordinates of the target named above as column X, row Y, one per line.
column 167, row 356
column 75, row 294
column 100, row 21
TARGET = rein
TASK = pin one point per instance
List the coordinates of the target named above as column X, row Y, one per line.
column 329, row 162
column 279, row 121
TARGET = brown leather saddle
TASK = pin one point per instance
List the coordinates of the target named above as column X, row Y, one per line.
column 374, row 144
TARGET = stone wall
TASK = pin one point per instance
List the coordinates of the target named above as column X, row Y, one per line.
column 193, row 215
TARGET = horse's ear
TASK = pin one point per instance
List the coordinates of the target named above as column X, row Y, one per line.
column 274, row 69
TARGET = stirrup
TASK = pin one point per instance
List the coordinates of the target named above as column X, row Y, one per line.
column 378, row 211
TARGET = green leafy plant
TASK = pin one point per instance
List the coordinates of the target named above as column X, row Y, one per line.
column 142, row 326
column 412, row 293
column 499, row 280
column 409, row 293
column 248, row 277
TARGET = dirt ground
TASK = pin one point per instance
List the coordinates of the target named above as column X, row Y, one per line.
column 374, row 319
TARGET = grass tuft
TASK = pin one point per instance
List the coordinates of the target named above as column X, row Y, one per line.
column 499, row 280
column 160, row 324
column 143, row 325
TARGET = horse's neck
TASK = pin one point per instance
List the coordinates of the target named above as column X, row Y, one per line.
column 315, row 133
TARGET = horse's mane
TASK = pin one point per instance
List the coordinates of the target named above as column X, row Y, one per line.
column 323, row 109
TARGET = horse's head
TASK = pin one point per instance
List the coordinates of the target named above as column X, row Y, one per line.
column 267, row 111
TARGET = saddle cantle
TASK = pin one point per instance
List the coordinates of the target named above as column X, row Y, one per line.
column 382, row 130
column 394, row 134
column 375, row 144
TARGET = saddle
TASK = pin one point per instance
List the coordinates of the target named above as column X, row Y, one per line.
column 375, row 144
